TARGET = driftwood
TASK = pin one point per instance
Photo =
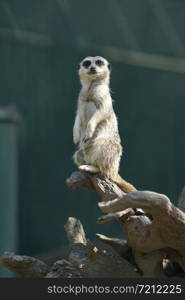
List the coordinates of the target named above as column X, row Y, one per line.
column 155, row 245
column 85, row 260
column 155, row 228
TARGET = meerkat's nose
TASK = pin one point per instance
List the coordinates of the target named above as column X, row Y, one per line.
column 93, row 70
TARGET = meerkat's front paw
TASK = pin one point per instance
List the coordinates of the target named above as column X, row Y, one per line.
column 89, row 131
column 87, row 137
column 76, row 135
column 89, row 168
column 76, row 139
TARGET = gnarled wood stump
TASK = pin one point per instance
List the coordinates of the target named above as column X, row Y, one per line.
column 155, row 228
column 155, row 245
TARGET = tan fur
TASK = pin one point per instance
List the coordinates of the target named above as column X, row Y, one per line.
column 95, row 129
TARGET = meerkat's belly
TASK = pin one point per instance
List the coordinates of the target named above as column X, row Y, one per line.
column 108, row 129
column 88, row 111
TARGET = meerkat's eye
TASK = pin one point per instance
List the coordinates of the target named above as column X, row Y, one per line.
column 86, row 63
column 99, row 62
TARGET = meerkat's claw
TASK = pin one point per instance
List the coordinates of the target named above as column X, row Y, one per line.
column 88, row 168
column 85, row 140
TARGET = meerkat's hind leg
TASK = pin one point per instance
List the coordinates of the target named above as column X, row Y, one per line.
column 78, row 157
column 89, row 168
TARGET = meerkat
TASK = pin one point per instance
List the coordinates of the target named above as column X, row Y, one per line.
column 95, row 130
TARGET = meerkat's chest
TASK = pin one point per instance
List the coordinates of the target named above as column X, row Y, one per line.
column 89, row 109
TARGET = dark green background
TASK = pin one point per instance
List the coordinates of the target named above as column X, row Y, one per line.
column 41, row 44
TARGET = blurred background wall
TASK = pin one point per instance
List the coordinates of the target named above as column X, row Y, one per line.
column 41, row 44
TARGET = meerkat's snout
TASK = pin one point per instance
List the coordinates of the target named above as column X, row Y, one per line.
column 92, row 70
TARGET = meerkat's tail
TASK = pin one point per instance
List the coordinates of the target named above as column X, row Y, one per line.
column 124, row 185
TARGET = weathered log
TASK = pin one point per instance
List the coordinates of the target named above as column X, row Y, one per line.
column 92, row 261
column 155, row 231
column 85, row 260
column 24, row 266
column 152, row 236
column 167, row 228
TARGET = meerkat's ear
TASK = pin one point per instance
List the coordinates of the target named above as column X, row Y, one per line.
column 109, row 67
column 78, row 66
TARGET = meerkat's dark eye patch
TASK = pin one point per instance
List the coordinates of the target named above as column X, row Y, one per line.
column 86, row 63
column 99, row 62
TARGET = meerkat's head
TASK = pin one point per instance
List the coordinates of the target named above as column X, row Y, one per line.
column 94, row 68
